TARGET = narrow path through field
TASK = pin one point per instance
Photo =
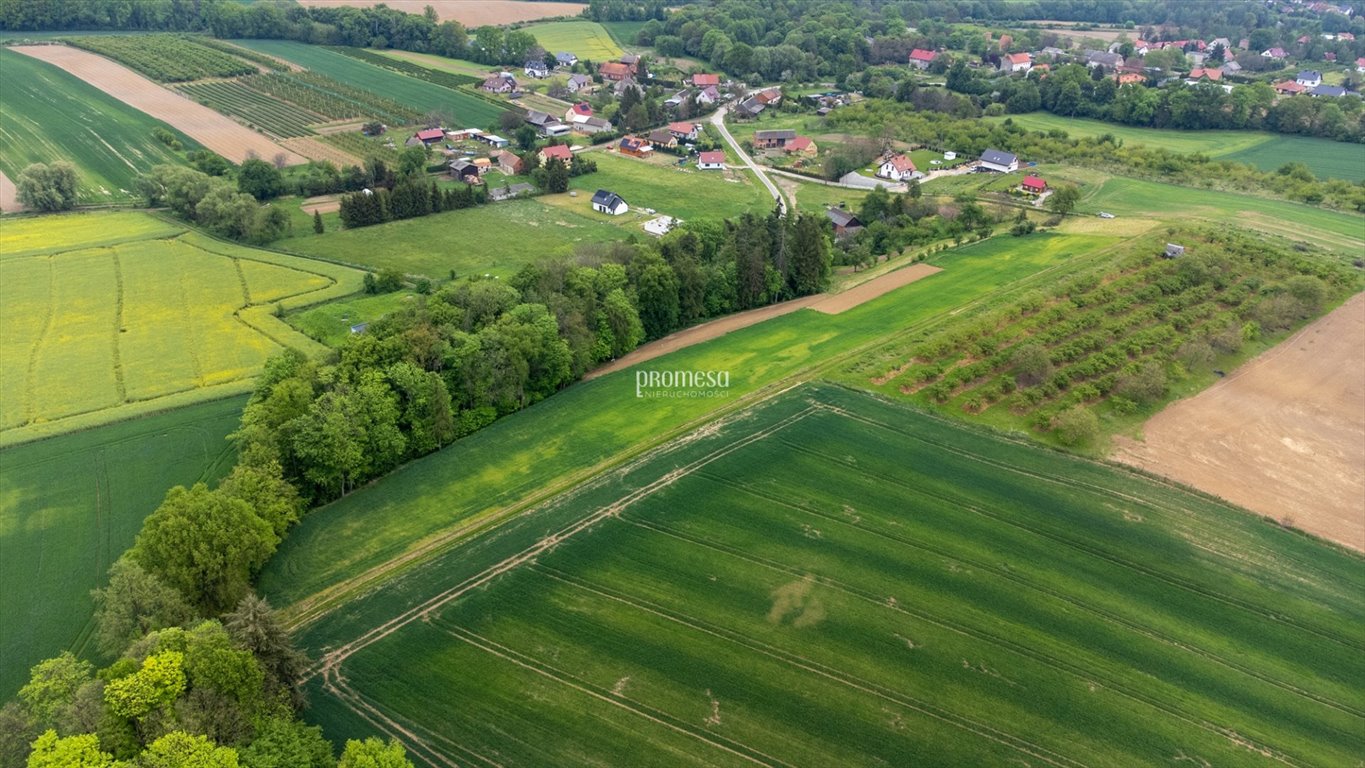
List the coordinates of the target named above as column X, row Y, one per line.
column 9, row 195
column 217, row 132
column 830, row 304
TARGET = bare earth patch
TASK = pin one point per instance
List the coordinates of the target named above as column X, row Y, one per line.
column 1283, row 436
column 9, row 195
column 830, row 304
column 313, row 149
column 321, row 204
column 215, row 131
column 471, row 13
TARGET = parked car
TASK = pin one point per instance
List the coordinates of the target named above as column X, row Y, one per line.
column 1104, row 215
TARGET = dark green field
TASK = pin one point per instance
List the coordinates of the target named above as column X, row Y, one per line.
column 830, row 579
column 71, row 504
column 467, row 109
column 50, row 115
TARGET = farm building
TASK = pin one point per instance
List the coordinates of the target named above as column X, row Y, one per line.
column 425, row 138
column 661, row 137
column 462, row 134
column 684, row 131
column 579, row 84
column 1174, row 251
column 614, row 71
column 845, row 223
column 750, row 107
column 1000, row 162
column 801, row 145
column 1103, row 60
column 507, row 192
column 1016, row 62
column 546, row 124
column 775, row 139
column 593, row 125
column 636, row 147
column 509, row 163
column 565, row 59
column 502, row 82
column 609, row 202
column 921, row 59
column 558, row 151
column 632, row 61
column 711, row 161
column 491, row 140
column 1033, row 185
column 703, row 80
column 898, row 168
column 464, row 170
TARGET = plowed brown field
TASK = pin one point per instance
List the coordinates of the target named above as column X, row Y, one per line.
column 216, row 132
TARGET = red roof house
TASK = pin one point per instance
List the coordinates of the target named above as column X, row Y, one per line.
column 560, row 151
column 801, row 144
column 922, row 58
column 1033, row 185
column 614, row 70
column 702, row 80
column 711, row 160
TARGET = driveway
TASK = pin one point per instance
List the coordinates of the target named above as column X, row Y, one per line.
column 718, row 120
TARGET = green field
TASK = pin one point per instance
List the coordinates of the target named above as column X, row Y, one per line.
column 70, row 505
column 492, row 239
column 465, row 108
column 167, row 58
column 331, row 323
column 145, row 318
column 829, row 579
column 592, row 422
column 685, row 192
column 432, row 61
column 584, row 39
column 50, row 115
column 1267, row 151
column 624, row 32
column 256, row 108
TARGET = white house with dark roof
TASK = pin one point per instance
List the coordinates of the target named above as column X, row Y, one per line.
column 999, row 162
column 1309, row 78
column 609, row 203
column 565, row 59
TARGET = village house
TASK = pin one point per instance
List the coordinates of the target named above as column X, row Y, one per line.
column 1309, row 78
column 509, row 163
column 750, row 107
column 536, row 68
column 565, row 59
column 708, row 95
column 1332, row 91
column 636, row 147
column 609, row 203
column 579, row 84
column 1288, row 88
column 684, row 131
column 768, row 97
column 621, row 86
column 1211, row 75
column 546, row 124
column 703, row 80
column 1276, row 53
column 1033, row 185
column 500, row 83
column 921, row 59
column 676, row 100
column 999, row 162
column 1103, row 60
column 632, row 61
column 559, row 152
column 661, row 137
column 845, row 223
column 425, row 138
column 711, row 161
column 898, row 168
column 593, row 125
column 578, row 113
column 614, row 71
column 801, row 145
column 461, row 134
column 774, row 139
column 1016, row 62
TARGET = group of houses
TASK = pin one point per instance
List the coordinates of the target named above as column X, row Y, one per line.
column 784, row 140
column 539, row 68
column 443, row 138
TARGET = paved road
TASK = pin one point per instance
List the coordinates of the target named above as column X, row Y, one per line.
column 718, row 120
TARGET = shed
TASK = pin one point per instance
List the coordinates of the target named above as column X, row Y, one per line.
column 1174, row 251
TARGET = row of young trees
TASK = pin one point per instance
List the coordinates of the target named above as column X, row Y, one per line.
column 454, row 361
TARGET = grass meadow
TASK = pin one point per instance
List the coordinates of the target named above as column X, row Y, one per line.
column 492, row 239
column 685, row 193
column 96, row 330
column 71, row 504
column 1267, row 151
column 331, row 323
column 584, row 39
column 51, row 115
column 624, row 32
column 830, row 579
column 599, row 421
column 465, row 108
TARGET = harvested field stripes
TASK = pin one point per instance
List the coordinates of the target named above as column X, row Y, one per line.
column 331, row 99
column 256, row 108
column 798, row 593
column 405, row 67
column 166, row 58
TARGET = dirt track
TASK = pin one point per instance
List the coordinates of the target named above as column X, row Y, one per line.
column 9, row 195
column 216, row 132
column 830, row 304
column 1283, row 436
column 471, row 13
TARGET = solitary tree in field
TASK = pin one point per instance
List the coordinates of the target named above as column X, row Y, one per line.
column 48, row 187
column 317, row 222
column 1063, row 199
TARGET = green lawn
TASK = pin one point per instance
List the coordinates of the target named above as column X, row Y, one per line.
column 71, row 504
column 835, row 580
column 584, row 39
column 50, row 115
column 331, row 323
column 683, row 192
column 588, row 423
column 466, row 108
column 1267, row 151
column 491, row 239
column 432, row 61
column 815, row 198
column 624, row 32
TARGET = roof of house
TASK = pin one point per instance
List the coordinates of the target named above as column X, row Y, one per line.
column 712, row 157
column 1309, row 74
column 630, row 58
column 580, row 79
column 710, row 91
column 536, row 117
column 842, row 218
column 1276, row 53
column 614, row 68
column 996, row 157
column 1033, row 181
column 605, row 198
column 597, row 122
column 1360, row 62
column 1289, row 86
column 661, row 136
column 1018, row 58
column 535, row 64
column 635, row 143
column 798, row 144
column 752, row 105
column 431, row 134
column 1210, row 73
column 495, row 81
column 920, row 54
column 902, row 163
column 781, row 133
column 702, row 79
column 1328, row 90
column 769, row 95
column 560, row 151
column 462, row 165
column 582, row 108
column 682, row 127
column 565, row 56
